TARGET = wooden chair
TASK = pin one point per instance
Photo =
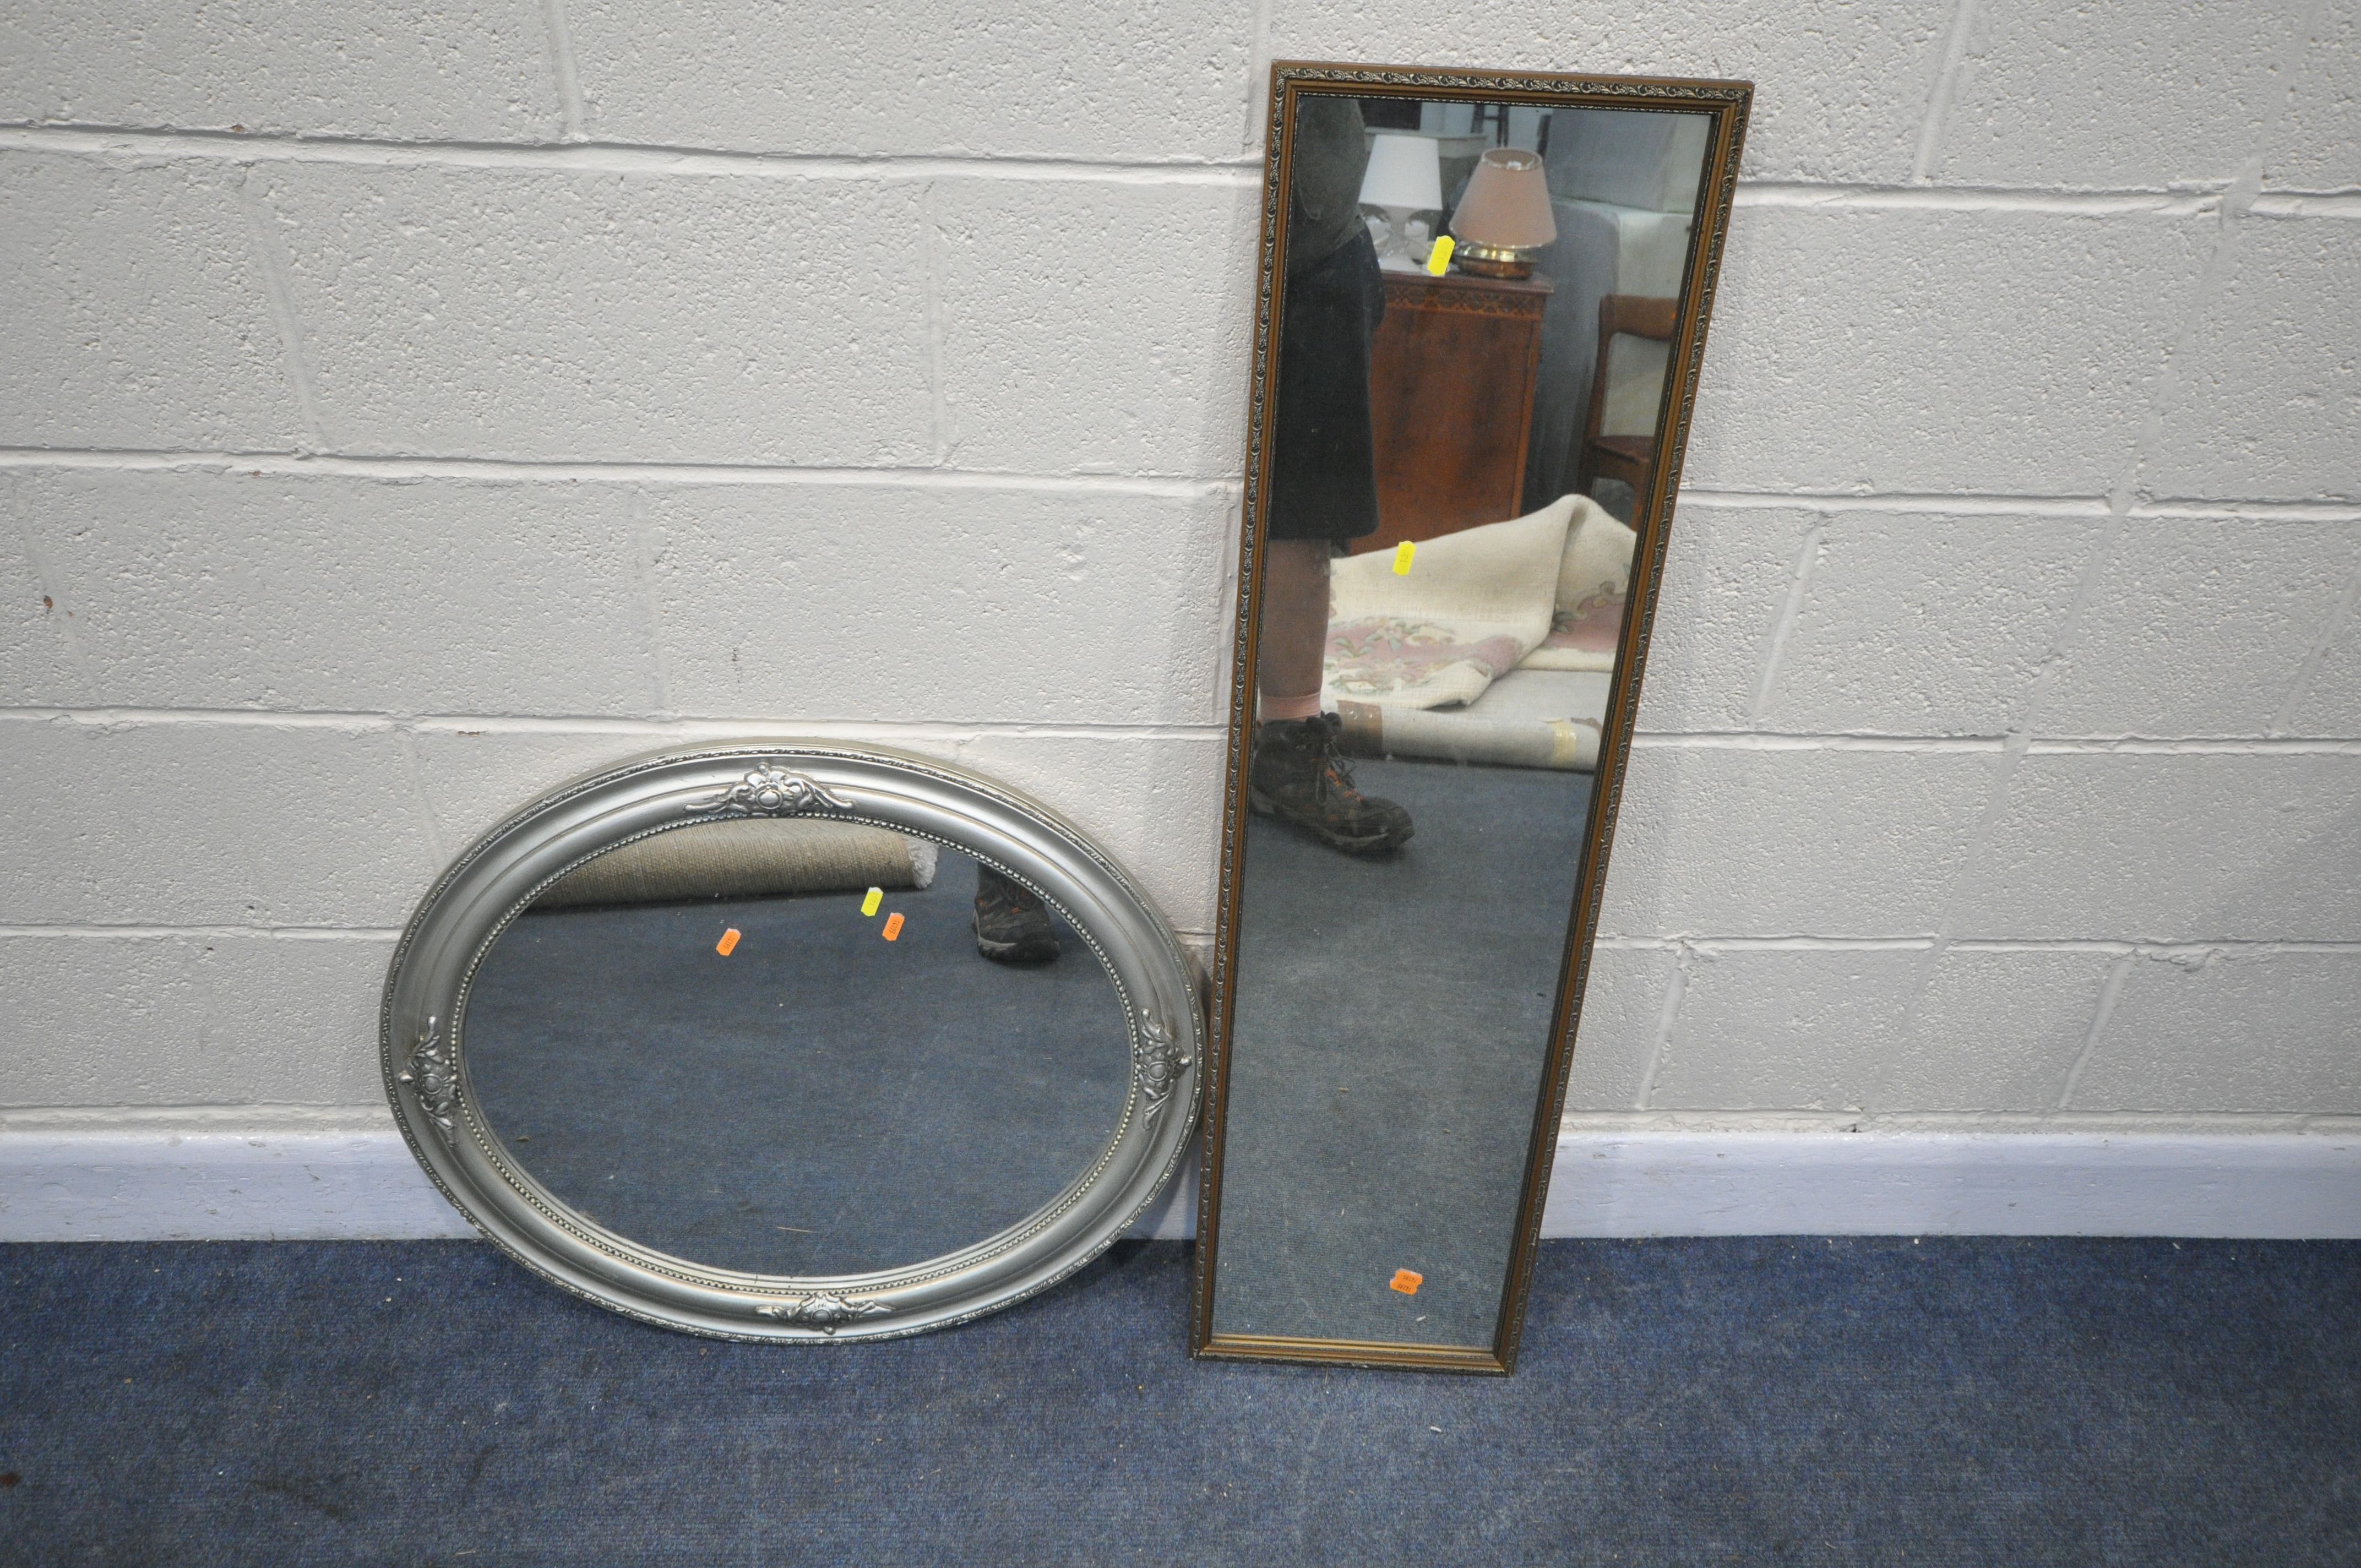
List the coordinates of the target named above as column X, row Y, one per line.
column 1626, row 457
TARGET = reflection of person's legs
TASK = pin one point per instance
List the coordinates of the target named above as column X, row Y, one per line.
column 1011, row 926
column 1324, row 490
column 1296, row 775
column 1294, row 629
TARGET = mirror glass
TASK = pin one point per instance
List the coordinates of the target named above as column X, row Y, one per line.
column 1459, row 448
column 795, row 1046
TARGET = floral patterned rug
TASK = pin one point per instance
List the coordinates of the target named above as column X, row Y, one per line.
column 1545, row 592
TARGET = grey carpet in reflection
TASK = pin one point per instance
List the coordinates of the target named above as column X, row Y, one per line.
column 820, row 1101
column 1391, row 1019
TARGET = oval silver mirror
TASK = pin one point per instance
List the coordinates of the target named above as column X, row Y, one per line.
column 793, row 1041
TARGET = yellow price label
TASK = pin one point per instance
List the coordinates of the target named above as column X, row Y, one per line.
column 869, row 904
column 1438, row 260
column 1402, row 554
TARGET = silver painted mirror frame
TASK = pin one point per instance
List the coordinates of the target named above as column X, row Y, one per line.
column 424, row 1061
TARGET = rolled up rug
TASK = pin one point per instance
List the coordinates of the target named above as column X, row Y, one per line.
column 753, row 858
column 1455, row 736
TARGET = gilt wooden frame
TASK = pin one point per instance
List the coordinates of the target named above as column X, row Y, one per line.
column 1725, row 104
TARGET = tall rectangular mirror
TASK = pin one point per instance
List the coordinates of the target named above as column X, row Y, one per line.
column 1483, row 300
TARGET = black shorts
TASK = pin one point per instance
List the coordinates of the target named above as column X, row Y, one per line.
column 1324, row 480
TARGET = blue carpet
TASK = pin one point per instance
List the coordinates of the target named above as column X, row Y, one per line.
column 1759, row 1401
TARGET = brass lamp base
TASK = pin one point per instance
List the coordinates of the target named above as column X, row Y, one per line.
column 1494, row 261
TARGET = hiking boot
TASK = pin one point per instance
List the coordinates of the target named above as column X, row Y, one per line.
column 1011, row 926
column 1297, row 776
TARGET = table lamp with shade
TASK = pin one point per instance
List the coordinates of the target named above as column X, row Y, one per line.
column 1405, row 176
column 1503, row 220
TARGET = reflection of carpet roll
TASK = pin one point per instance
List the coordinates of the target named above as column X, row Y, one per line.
column 755, row 858
column 1373, row 731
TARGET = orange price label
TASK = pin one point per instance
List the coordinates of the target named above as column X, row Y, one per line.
column 893, row 927
column 1406, row 1281
column 728, row 943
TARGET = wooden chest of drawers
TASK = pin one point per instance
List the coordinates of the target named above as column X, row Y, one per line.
column 1451, row 399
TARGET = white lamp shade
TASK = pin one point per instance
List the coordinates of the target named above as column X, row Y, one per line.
column 1405, row 172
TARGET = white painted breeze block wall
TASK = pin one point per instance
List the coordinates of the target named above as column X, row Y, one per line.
column 406, row 406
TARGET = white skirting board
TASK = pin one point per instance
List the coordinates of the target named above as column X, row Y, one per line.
column 147, row 1181
column 1924, row 1183
column 153, row 1182
column 212, row 1183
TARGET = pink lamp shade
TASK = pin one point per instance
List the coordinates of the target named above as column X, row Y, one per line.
column 1507, row 205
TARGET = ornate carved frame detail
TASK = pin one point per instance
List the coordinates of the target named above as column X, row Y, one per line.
column 770, row 790
column 430, row 1076
column 824, row 1312
column 1158, row 1063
